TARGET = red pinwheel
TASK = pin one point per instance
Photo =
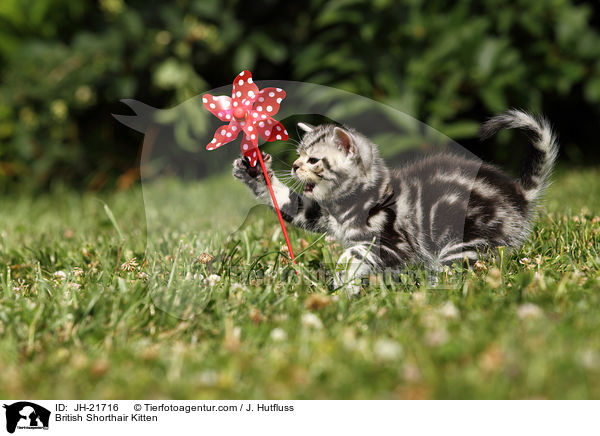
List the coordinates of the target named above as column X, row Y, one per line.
column 250, row 110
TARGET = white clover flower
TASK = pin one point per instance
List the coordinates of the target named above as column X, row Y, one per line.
column 278, row 335
column 60, row 275
column 213, row 279
column 386, row 349
column 526, row 262
column 20, row 286
column 205, row 258
column 209, row 378
column 419, row 298
column 411, row 373
column 311, row 320
column 236, row 287
column 529, row 311
column 449, row 311
column 74, row 286
column 479, row 266
column 437, row 336
column 130, row 265
column 142, row 275
column 589, row 359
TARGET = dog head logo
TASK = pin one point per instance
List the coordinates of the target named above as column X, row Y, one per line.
column 26, row 415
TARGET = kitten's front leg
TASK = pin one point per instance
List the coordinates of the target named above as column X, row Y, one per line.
column 355, row 263
column 294, row 208
column 253, row 177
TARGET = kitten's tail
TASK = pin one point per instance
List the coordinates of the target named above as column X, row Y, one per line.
column 536, row 171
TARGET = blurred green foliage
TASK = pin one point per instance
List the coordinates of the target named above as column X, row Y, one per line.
column 64, row 65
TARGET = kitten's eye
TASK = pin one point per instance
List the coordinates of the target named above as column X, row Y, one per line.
column 313, row 160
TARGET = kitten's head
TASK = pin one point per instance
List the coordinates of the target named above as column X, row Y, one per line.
column 333, row 161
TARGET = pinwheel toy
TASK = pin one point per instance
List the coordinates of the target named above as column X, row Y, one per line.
column 250, row 111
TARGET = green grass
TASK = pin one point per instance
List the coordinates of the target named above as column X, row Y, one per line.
column 525, row 326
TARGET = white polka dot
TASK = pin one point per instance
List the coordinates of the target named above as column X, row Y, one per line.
column 220, row 114
column 285, row 131
column 259, row 108
column 269, row 108
column 241, row 82
column 234, row 128
column 250, row 80
column 235, row 103
column 223, row 131
column 278, row 99
column 251, row 94
column 278, row 89
column 228, row 134
column 254, row 154
column 238, row 94
column 267, row 132
column 242, row 74
column 263, row 116
column 204, row 100
column 278, row 136
column 248, row 137
column 228, row 117
column 242, row 123
column 245, row 146
column 212, row 106
column 279, row 128
column 271, row 94
column 261, row 99
column 254, row 114
column 247, row 102
column 249, row 128
column 214, row 140
column 261, row 124
column 253, row 136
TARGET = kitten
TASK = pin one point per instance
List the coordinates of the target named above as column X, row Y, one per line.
column 441, row 209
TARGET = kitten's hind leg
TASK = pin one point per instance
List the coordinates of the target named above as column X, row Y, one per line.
column 470, row 251
column 355, row 263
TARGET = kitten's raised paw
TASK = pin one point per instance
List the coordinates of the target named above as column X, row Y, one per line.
column 243, row 170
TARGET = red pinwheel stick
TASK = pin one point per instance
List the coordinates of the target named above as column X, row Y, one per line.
column 250, row 111
column 287, row 239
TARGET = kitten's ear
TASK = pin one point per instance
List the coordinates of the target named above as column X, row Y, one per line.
column 344, row 140
column 306, row 127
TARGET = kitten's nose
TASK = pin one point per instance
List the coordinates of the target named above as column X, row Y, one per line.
column 295, row 167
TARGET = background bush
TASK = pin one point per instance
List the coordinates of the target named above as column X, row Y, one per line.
column 65, row 64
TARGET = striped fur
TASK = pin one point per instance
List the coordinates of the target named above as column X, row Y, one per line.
column 436, row 211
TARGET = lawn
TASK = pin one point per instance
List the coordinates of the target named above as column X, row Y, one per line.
column 213, row 310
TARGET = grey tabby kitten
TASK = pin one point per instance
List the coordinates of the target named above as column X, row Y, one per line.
column 441, row 209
